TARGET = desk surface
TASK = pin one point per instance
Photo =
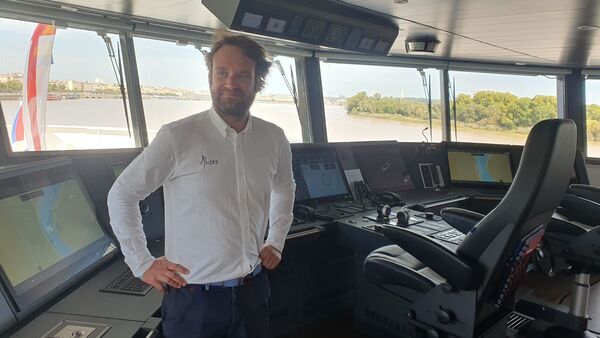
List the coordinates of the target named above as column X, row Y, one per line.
column 126, row 314
column 87, row 300
column 47, row 321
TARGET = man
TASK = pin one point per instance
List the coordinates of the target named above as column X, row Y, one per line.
column 225, row 176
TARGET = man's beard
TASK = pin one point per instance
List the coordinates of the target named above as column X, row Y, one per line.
column 236, row 107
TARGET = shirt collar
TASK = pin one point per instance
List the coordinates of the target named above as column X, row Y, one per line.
column 223, row 127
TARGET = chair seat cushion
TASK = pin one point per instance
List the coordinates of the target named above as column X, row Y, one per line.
column 392, row 265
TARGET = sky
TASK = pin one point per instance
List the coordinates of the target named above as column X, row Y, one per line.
column 82, row 55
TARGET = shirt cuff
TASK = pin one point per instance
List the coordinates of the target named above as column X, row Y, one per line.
column 277, row 251
column 278, row 245
column 139, row 265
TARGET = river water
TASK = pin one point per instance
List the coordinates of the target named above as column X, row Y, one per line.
column 100, row 123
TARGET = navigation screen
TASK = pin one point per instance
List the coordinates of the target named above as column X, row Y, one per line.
column 469, row 166
column 383, row 167
column 49, row 231
column 318, row 174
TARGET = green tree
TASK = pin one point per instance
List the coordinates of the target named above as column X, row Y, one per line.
column 484, row 109
column 593, row 129
column 12, row 86
column 54, row 87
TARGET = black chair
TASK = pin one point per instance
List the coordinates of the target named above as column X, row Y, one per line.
column 580, row 252
column 455, row 290
column 576, row 215
column 574, row 205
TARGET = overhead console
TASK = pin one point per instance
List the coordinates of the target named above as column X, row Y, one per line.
column 320, row 22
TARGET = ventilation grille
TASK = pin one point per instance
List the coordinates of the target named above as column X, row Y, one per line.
column 516, row 321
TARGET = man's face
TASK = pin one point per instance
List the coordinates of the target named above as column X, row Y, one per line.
column 232, row 81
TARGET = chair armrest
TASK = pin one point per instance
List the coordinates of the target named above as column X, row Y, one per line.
column 459, row 272
column 461, row 219
column 583, row 253
column 580, row 208
column 586, row 191
column 562, row 227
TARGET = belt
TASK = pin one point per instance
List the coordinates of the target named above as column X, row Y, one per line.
column 235, row 282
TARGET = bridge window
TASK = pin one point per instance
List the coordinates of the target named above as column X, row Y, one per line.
column 174, row 83
column 365, row 103
column 78, row 106
column 592, row 97
column 500, row 108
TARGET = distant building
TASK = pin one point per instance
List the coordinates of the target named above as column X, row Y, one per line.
column 11, row 77
column 90, row 87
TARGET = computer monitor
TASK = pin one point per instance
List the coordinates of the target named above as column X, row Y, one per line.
column 478, row 167
column 382, row 166
column 50, row 230
column 318, row 174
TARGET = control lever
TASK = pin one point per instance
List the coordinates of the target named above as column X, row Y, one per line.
column 403, row 217
column 383, row 213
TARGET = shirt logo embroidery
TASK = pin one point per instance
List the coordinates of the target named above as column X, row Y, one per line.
column 204, row 161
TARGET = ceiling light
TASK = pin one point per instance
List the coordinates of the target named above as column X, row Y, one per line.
column 520, row 63
column 401, row 1
column 421, row 45
column 587, row 28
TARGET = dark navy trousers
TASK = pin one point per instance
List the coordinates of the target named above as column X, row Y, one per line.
column 239, row 312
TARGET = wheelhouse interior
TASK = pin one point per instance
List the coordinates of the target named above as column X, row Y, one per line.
column 398, row 113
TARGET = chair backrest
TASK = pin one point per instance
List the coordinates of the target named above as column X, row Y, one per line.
column 539, row 184
column 581, row 168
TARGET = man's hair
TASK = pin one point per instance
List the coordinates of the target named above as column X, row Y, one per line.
column 249, row 48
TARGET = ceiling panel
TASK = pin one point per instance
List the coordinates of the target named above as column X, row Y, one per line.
column 532, row 31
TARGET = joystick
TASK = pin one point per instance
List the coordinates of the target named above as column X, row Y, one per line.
column 403, row 217
column 383, row 213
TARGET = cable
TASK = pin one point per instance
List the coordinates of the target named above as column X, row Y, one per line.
column 291, row 87
column 426, row 85
column 118, row 70
column 454, row 108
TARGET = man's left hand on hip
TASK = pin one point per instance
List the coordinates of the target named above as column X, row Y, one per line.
column 270, row 256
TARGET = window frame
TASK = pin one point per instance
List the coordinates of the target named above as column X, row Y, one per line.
column 8, row 153
column 383, row 61
column 510, row 70
column 590, row 75
column 138, row 126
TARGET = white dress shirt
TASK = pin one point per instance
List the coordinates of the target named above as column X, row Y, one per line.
column 221, row 188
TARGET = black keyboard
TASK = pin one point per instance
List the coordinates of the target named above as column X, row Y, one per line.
column 451, row 236
column 127, row 284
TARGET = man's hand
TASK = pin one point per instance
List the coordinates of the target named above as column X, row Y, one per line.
column 163, row 272
column 270, row 257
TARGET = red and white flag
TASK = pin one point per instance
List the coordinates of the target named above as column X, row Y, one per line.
column 30, row 122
